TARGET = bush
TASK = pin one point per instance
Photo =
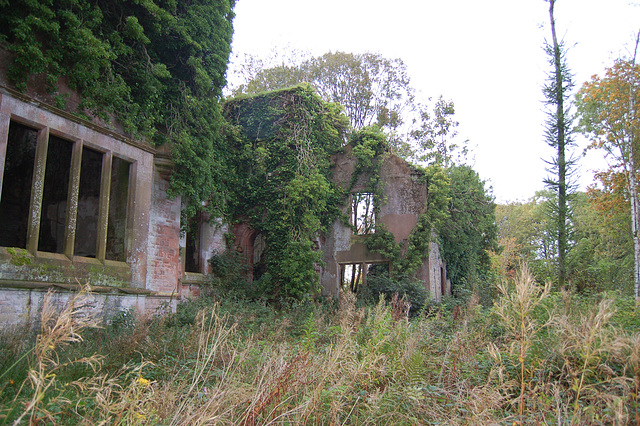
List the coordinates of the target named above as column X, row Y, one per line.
column 229, row 276
column 381, row 283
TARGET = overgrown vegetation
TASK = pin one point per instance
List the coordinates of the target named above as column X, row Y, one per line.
column 158, row 66
column 534, row 357
column 280, row 149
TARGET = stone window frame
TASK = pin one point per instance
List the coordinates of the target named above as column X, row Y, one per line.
column 48, row 120
column 37, row 191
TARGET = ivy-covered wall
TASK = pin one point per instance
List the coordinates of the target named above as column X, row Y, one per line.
column 157, row 66
column 409, row 204
column 280, row 146
column 295, row 172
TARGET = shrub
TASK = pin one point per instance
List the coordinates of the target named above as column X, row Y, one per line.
column 382, row 284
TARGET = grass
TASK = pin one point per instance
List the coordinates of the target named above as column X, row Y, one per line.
column 535, row 357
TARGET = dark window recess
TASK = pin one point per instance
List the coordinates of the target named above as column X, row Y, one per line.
column 192, row 250
column 55, row 195
column 353, row 275
column 88, row 204
column 16, row 186
column 118, row 208
column 259, row 250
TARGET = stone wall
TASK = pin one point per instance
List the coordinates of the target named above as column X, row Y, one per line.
column 403, row 201
column 138, row 262
column 165, row 268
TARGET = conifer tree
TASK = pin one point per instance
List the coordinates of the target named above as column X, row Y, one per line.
column 558, row 135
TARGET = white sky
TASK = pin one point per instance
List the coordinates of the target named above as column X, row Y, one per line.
column 485, row 55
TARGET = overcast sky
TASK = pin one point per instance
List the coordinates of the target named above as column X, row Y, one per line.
column 486, row 56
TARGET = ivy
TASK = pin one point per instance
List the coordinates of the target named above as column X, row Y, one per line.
column 405, row 261
column 157, row 66
column 382, row 241
column 280, row 148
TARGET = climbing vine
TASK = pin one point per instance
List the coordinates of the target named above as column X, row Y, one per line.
column 281, row 144
column 406, row 260
column 281, row 152
column 158, row 66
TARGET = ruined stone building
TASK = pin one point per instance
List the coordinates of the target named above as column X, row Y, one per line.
column 81, row 202
column 404, row 196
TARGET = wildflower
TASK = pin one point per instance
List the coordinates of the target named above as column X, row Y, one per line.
column 144, row 382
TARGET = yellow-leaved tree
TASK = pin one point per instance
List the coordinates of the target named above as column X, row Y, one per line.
column 609, row 114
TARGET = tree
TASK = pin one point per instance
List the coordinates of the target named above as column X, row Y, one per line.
column 434, row 133
column 609, row 115
column 602, row 256
column 373, row 90
column 558, row 135
column 522, row 232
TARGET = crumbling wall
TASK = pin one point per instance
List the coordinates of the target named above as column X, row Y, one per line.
column 403, row 197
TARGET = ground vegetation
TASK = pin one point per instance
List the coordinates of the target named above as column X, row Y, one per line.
column 534, row 356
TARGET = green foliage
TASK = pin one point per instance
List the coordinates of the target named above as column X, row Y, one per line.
column 158, row 66
column 576, row 356
column 601, row 257
column 372, row 89
column 369, row 146
column 558, row 134
column 281, row 150
column 470, row 233
column 382, row 284
column 19, row 257
column 382, row 241
column 602, row 254
column 228, row 275
column 435, row 132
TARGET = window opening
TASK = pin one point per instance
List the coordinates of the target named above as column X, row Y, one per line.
column 362, row 213
column 352, row 276
column 118, row 208
column 59, row 196
column 86, row 238
column 55, row 195
column 16, row 188
column 355, row 275
column 259, row 263
column 192, row 261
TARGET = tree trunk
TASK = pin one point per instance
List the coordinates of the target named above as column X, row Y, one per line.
column 632, row 175
column 635, row 222
column 562, row 163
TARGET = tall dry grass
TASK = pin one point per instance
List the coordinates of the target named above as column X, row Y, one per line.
column 535, row 357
